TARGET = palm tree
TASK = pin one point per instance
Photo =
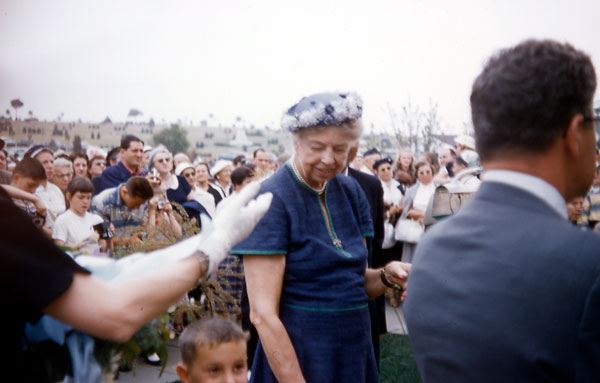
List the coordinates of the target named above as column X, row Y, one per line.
column 16, row 104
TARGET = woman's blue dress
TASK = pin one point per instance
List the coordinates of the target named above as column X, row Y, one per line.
column 323, row 302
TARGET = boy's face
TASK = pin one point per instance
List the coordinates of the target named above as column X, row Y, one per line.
column 80, row 202
column 223, row 363
column 27, row 184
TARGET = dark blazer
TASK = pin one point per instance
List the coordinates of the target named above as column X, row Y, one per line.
column 111, row 177
column 505, row 291
column 374, row 192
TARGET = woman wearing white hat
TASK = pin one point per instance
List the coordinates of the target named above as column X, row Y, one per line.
column 221, row 171
column 203, row 197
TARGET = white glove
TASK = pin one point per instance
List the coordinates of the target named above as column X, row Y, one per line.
column 234, row 221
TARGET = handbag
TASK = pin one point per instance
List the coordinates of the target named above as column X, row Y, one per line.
column 389, row 239
column 408, row 230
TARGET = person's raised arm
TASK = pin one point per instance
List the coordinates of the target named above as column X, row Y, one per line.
column 116, row 311
column 264, row 279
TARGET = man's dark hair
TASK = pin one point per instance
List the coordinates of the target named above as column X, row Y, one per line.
column 111, row 155
column 241, row 159
column 28, row 167
column 239, row 175
column 258, row 151
column 527, row 94
column 127, row 139
column 80, row 184
column 139, row 187
column 370, row 152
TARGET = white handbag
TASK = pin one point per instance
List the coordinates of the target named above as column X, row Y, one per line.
column 389, row 239
column 408, row 230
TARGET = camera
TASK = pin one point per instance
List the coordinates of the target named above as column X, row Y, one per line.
column 161, row 204
column 103, row 229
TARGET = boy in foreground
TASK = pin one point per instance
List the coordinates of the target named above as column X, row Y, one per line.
column 213, row 350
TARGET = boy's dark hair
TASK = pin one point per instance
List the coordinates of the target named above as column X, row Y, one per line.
column 28, row 167
column 80, row 184
column 208, row 332
column 239, row 175
column 526, row 95
column 139, row 187
column 127, row 139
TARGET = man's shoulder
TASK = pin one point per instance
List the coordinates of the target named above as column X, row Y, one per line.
column 364, row 179
column 107, row 196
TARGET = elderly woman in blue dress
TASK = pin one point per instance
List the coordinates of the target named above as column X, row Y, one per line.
column 306, row 262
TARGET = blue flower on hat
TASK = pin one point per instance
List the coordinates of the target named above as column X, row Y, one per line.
column 322, row 109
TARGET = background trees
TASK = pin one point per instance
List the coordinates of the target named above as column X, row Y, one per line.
column 174, row 138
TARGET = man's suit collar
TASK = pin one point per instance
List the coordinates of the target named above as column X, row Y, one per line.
column 531, row 184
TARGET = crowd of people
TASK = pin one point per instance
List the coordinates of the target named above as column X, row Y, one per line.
column 343, row 228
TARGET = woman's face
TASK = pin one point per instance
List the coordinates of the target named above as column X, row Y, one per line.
column 97, row 167
column 62, row 176
column 190, row 175
column 405, row 159
column 201, row 173
column 322, row 153
column 384, row 172
column 224, row 176
column 162, row 162
column 425, row 174
column 80, row 167
column 47, row 161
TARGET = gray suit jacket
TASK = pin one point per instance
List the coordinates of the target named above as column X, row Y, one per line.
column 506, row 291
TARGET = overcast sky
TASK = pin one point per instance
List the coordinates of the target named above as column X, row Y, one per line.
column 184, row 59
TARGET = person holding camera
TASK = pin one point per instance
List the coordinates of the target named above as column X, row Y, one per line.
column 161, row 211
column 75, row 228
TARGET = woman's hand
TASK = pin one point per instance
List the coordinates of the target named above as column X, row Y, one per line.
column 397, row 272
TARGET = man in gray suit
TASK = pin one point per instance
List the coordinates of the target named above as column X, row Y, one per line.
column 507, row 290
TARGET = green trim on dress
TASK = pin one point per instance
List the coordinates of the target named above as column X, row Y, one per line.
column 327, row 309
column 257, row 252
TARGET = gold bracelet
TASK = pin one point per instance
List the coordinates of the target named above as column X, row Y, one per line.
column 384, row 278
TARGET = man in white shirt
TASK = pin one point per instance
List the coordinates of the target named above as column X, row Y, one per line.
column 369, row 158
column 507, row 289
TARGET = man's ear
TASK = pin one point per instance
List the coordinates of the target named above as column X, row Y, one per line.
column 573, row 135
column 183, row 373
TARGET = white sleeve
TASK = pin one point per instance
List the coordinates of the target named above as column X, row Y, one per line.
column 59, row 231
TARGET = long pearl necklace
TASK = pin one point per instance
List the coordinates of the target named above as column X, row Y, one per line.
column 319, row 191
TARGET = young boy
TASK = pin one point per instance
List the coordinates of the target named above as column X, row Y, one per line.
column 213, row 350
column 27, row 176
column 75, row 227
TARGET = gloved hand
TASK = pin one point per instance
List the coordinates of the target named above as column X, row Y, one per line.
column 234, row 221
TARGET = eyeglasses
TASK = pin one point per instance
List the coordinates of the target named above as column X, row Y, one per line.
column 189, row 174
column 163, row 160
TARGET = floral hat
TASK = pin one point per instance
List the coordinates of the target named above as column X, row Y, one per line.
column 322, row 109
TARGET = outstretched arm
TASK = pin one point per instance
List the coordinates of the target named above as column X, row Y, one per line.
column 116, row 312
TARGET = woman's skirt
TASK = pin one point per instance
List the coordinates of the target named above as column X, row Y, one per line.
column 331, row 346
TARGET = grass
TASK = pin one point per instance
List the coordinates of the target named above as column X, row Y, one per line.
column 397, row 362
